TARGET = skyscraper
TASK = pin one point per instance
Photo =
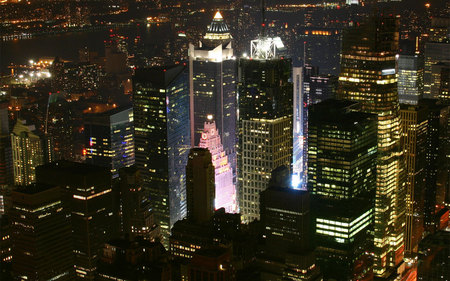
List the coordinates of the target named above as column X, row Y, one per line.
column 368, row 76
column 200, row 186
column 437, row 167
column 414, row 141
column 27, row 153
column 41, row 234
column 88, row 193
column 162, row 140
column 225, row 195
column 286, row 222
column 212, row 83
column 109, row 139
column 265, row 122
column 410, row 78
column 342, row 147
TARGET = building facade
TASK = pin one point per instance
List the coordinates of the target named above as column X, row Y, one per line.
column 225, row 195
column 368, row 75
column 40, row 233
column 212, row 83
column 87, row 191
column 27, row 153
column 109, row 139
column 162, row 140
column 200, row 185
column 265, row 127
column 342, row 151
column 410, row 78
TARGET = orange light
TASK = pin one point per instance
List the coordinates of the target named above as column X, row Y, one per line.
column 428, row 5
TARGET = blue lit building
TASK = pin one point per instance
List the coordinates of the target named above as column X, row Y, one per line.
column 109, row 139
column 162, row 140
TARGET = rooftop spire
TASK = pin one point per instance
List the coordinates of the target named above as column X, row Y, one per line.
column 218, row 16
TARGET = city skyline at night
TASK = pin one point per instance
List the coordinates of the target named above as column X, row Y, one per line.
column 260, row 140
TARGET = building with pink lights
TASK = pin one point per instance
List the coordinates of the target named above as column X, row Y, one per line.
column 225, row 189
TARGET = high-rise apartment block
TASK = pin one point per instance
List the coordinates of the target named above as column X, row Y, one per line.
column 27, row 153
column 368, row 75
column 162, row 140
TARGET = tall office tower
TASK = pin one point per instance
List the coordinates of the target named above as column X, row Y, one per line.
column 434, row 53
column 137, row 216
column 88, row 193
column 40, row 233
column 225, row 188
column 200, row 186
column 298, row 170
column 437, row 168
column 414, row 139
column 342, row 153
column 109, row 139
column 368, row 76
column 433, row 259
column 285, row 218
column 212, row 84
column 265, row 122
column 27, row 153
column 162, row 140
column 410, row 78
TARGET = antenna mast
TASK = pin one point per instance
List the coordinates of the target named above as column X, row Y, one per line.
column 263, row 19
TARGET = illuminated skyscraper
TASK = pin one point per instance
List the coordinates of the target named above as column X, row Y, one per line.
column 27, row 153
column 265, row 122
column 368, row 76
column 109, row 139
column 410, row 78
column 342, row 147
column 414, row 141
column 225, row 188
column 162, row 140
column 212, row 83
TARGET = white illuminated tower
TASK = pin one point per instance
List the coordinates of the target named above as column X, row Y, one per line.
column 225, row 189
column 212, row 85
